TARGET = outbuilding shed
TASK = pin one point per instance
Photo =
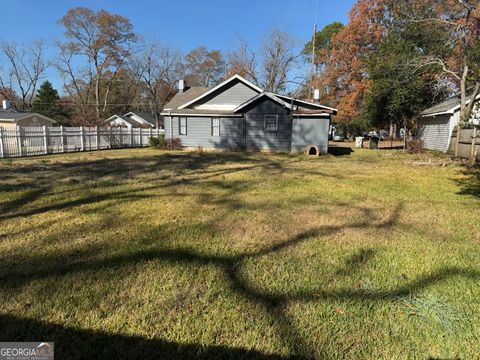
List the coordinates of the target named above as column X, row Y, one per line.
column 436, row 124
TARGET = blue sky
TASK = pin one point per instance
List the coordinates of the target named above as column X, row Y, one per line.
column 183, row 24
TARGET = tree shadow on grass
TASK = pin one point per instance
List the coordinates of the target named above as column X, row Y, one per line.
column 273, row 304
column 72, row 343
column 167, row 170
column 470, row 182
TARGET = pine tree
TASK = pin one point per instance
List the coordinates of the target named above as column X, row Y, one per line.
column 46, row 102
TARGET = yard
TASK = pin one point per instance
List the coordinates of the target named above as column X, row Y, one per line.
column 143, row 253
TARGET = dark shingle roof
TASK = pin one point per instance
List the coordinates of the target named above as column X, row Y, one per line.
column 188, row 95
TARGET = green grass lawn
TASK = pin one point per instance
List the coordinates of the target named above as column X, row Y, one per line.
column 143, row 253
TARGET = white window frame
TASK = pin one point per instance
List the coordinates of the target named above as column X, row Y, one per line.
column 215, row 126
column 270, row 122
column 180, row 132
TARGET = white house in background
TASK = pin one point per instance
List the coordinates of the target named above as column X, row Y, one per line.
column 436, row 124
column 10, row 118
column 132, row 120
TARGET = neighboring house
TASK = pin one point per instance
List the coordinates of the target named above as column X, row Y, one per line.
column 436, row 124
column 132, row 120
column 237, row 114
column 11, row 118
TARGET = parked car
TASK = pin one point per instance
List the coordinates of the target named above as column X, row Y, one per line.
column 338, row 136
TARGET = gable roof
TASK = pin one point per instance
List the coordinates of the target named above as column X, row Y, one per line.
column 15, row 116
column 147, row 117
column 124, row 118
column 188, row 95
column 270, row 95
column 447, row 107
column 219, row 86
column 289, row 99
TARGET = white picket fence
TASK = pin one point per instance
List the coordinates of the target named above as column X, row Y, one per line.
column 30, row 141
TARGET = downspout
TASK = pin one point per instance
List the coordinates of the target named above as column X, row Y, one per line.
column 171, row 125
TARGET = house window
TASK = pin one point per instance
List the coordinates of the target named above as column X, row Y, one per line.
column 215, row 126
column 271, row 123
column 182, row 126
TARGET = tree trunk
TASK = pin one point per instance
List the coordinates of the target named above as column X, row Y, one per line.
column 97, row 96
column 463, row 105
column 469, row 109
column 404, row 134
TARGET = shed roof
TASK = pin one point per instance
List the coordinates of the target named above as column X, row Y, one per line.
column 448, row 106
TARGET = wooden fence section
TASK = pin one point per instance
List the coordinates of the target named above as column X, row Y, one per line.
column 468, row 145
column 30, row 141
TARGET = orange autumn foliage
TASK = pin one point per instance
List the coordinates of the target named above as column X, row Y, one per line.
column 344, row 73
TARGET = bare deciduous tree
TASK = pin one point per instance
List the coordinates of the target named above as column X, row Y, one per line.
column 106, row 41
column 243, row 62
column 157, row 68
column 23, row 67
column 279, row 57
column 77, row 81
column 204, row 67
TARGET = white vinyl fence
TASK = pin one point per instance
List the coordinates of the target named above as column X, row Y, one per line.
column 29, row 141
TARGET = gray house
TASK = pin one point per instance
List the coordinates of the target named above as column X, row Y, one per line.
column 436, row 124
column 237, row 114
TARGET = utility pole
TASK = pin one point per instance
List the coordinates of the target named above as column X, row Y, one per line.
column 313, row 61
column 312, row 72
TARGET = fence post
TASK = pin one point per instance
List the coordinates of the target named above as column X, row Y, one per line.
column 131, row 136
column 150, row 133
column 62, row 142
column 141, row 139
column 18, row 136
column 457, row 142
column 474, row 142
column 45, row 140
column 1, row 143
column 96, row 137
column 82, row 145
column 110, row 138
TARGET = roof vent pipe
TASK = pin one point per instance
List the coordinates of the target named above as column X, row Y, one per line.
column 181, row 85
column 316, row 96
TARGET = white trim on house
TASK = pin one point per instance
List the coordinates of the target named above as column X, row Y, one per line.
column 308, row 103
column 234, row 77
column 138, row 119
column 448, row 112
column 312, row 115
column 200, row 114
column 117, row 120
column 262, row 94
column 220, row 107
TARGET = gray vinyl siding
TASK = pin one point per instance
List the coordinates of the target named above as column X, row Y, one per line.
column 435, row 132
column 310, row 131
column 199, row 132
column 256, row 136
column 236, row 94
